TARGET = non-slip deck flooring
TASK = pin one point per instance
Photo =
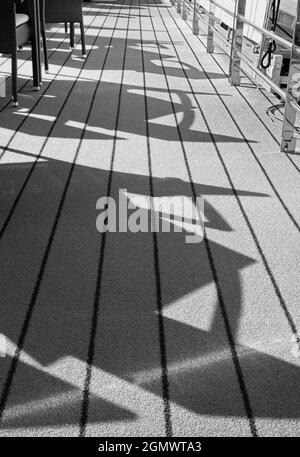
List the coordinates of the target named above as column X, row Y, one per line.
column 142, row 333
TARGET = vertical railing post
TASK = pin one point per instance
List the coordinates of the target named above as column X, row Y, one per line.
column 288, row 141
column 237, row 43
column 179, row 6
column 195, row 20
column 2, row 86
column 211, row 23
column 184, row 14
column 264, row 39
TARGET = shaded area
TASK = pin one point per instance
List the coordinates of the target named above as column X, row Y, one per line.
column 132, row 96
column 48, row 390
column 200, row 365
column 55, row 402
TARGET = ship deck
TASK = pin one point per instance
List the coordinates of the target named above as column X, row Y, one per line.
column 144, row 334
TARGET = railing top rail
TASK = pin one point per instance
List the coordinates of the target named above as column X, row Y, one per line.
column 291, row 96
column 268, row 33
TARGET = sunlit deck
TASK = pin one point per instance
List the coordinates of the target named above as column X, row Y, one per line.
column 144, row 334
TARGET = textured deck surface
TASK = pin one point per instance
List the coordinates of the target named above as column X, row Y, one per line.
column 144, row 334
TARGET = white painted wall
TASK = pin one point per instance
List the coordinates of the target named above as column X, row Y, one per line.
column 255, row 10
column 287, row 12
column 288, row 6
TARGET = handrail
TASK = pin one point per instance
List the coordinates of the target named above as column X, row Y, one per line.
column 262, row 75
column 292, row 95
column 226, row 10
column 262, row 30
column 267, row 33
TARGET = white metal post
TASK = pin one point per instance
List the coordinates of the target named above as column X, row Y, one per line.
column 184, row 13
column 237, row 43
column 264, row 40
column 179, row 6
column 288, row 143
column 211, row 23
column 2, row 86
column 195, row 20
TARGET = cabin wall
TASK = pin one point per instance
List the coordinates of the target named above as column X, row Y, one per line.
column 255, row 11
column 287, row 13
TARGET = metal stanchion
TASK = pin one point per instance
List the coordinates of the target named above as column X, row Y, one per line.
column 179, row 6
column 2, row 86
column 184, row 13
column 237, row 43
column 292, row 97
column 288, row 143
column 211, row 23
column 195, row 20
column 265, row 40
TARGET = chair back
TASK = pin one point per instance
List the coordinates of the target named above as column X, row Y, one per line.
column 63, row 10
column 23, row 7
column 7, row 25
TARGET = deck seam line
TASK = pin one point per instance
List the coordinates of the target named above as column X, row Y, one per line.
column 159, row 304
column 14, row 362
column 233, row 350
column 6, row 148
column 254, row 155
column 279, row 295
column 39, row 98
column 100, row 268
column 50, row 55
column 27, row 60
column 263, row 93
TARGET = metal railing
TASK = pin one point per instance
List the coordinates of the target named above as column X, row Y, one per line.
column 291, row 96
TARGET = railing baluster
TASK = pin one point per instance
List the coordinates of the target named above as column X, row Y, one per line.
column 2, row 86
column 184, row 14
column 237, row 43
column 195, row 20
column 211, row 23
column 288, row 142
column 179, row 6
column 291, row 111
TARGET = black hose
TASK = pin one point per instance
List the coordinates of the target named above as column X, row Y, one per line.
column 271, row 48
